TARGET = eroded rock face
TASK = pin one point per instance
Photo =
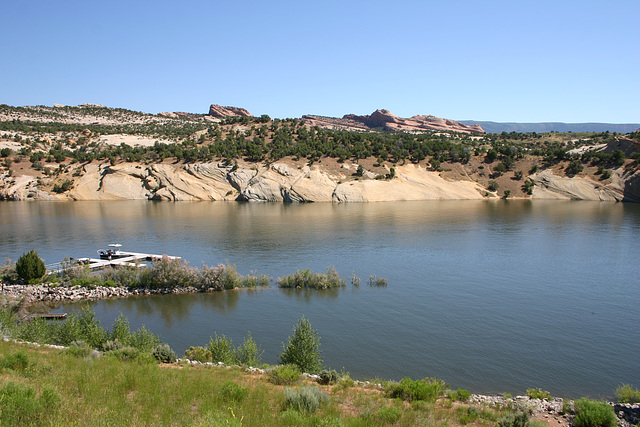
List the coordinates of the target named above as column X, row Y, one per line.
column 24, row 188
column 385, row 120
column 551, row 186
column 281, row 182
column 219, row 111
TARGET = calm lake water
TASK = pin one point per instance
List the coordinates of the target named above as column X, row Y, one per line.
column 492, row 296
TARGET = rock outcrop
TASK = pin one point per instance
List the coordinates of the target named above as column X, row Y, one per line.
column 221, row 112
column 385, row 120
column 624, row 186
column 282, row 182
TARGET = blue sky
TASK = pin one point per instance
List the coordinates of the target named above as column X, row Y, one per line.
column 526, row 61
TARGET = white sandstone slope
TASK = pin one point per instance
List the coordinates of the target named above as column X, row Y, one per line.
column 551, row 186
column 280, row 182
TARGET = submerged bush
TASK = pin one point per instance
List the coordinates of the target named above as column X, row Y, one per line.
column 305, row 279
column 307, row 399
column 591, row 413
column 380, row 282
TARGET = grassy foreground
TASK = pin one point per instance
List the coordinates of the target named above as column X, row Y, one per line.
column 48, row 386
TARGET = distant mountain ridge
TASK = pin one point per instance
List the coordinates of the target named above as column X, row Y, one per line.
column 499, row 127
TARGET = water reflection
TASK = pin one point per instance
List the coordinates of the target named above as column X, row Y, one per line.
column 308, row 296
column 475, row 287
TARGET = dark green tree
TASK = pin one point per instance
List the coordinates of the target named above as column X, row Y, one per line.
column 30, row 266
column 303, row 349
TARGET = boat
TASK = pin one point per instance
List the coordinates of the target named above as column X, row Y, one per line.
column 112, row 253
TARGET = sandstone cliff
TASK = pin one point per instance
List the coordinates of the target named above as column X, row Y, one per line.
column 220, row 112
column 282, row 182
column 384, row 119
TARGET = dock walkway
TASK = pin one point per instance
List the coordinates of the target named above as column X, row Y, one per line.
column 122, row 258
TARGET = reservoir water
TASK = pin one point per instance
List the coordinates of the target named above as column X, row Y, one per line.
column 491, row 296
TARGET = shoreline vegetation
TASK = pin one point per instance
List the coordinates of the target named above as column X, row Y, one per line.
column 167, row 276
column 62, row 371
column 50, row 384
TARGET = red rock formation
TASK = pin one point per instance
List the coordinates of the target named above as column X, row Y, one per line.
column 221, row 112
column 384, row 119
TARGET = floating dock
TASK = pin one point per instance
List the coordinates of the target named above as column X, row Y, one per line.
column 113, row 258
column 122, row 258
column 47, row 316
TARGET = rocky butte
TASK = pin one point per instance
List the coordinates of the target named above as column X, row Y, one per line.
column 385, row 120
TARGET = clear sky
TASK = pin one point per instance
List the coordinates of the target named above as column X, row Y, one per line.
column 516, row 60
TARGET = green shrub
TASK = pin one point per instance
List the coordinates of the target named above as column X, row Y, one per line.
column 538, row 393
column 528, row 187
column 606, row 174
column 199, row 354
column 428, row 389
column 144, row 340
column 307, row 399
column 111, row 345
column 126, row 353
column 284, row 374
column 81, row 326
column 35, row 330
column 291, row 417
column 591, row 413
column 79, row 349
column 460, row 394
column 164, row 354
column 627, row 394
column 514, row 419
column 219, row 418
column 222, row 350
column 390, row 414
column 467, row 414
column 20, row 406
column 30, row 266
column 250, row 353
column 493, row 186
column 303, row 348
column 328, row 376
column 17, row 361
column 233, row 392
column 574, row 168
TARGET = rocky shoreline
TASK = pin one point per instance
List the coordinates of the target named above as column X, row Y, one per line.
column 55, row 293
